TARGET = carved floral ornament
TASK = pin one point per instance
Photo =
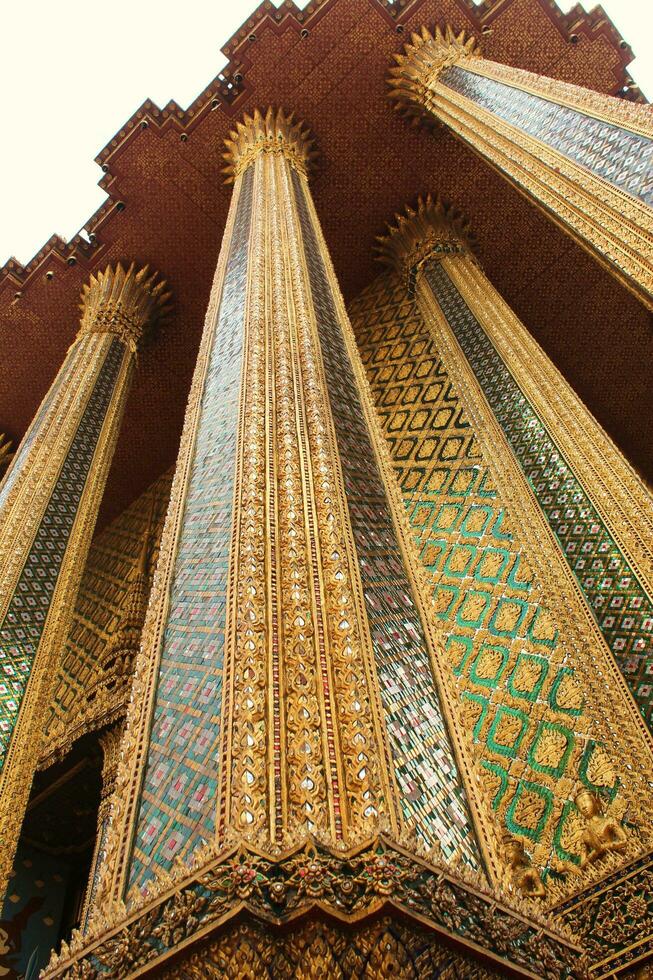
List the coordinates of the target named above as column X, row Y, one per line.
column 378, row 873
column 424, row 58
column 274, row 131
column 124, row 302
column 429, row 231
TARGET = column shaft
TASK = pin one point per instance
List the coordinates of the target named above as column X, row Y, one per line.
column 503, row 526
column 584, row 158
column 49, row 501
column 110, row 743
column 282, row 607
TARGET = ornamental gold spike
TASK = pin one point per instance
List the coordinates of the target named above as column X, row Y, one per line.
column 124, row 302
column 424, row 57
column 273, row 132
column 430, row 230
column 6, row 454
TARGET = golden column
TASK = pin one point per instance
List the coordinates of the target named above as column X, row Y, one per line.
column 49, row 502
column 596, row 507
column 110, row 742
column 536, row 539
column 259, row 613
column 287, row 747
column 586, row 159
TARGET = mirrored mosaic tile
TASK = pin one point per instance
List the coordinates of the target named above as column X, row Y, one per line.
column 621, row 606
column 178, row 798
column 22, row 627
column 621, row 157
column 432, row 795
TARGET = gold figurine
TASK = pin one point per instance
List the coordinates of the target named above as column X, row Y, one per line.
column 601, row 834
column 524, row 875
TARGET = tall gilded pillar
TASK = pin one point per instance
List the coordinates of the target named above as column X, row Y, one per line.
column 49, row 502
column 288, row 744
column 499, row 488
column 586, row 159
column 595, row 506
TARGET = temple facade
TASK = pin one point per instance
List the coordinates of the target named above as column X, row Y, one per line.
column 326, row 538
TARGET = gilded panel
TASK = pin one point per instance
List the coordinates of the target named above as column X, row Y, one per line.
column 28, row 609
column 177, row 807
column 88, row 695
column 431, row 793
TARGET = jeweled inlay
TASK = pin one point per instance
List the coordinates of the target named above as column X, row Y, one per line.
column 621, row 157
column 24, row 621
column 432, row 795
column 178, row 799
column 519, row 698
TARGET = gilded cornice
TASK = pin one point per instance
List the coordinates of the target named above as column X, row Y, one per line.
column 424, row 58
column 430, row 230
column 123, row 302
column 273, row 132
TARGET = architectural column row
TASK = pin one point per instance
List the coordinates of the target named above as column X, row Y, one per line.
column 586, row 159
column 321, row 660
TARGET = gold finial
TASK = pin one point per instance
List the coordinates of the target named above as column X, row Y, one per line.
column 431, row 230
column 274, row 132
column 123, row 302
column 6, row 454
column 424, row 58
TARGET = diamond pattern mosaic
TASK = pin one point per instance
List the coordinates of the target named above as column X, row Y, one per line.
column 24, row 449
column 178, row 798
column 623, row 158
column 621, row 606
column 20, row 632
column 424, row 763
column 517, row 695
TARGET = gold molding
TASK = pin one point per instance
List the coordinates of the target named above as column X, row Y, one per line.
column 114, row 303
column 620, row 497
column 610, row 716
column 425, row 56
column 108, row 898
column 428, row 231
column 27, row 737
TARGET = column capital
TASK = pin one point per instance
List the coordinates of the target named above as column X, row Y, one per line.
column 273, row 132
column 424, row 57
column 124, row 302
column 430, row 230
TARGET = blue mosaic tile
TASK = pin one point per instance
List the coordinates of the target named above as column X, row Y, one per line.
column 178, row 799
column 623, row 158
column 621, row 606
column 24, row 621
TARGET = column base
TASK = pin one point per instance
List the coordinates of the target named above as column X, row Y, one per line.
column 322, row 908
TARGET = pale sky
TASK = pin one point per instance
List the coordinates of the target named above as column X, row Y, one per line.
column 73, row 71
